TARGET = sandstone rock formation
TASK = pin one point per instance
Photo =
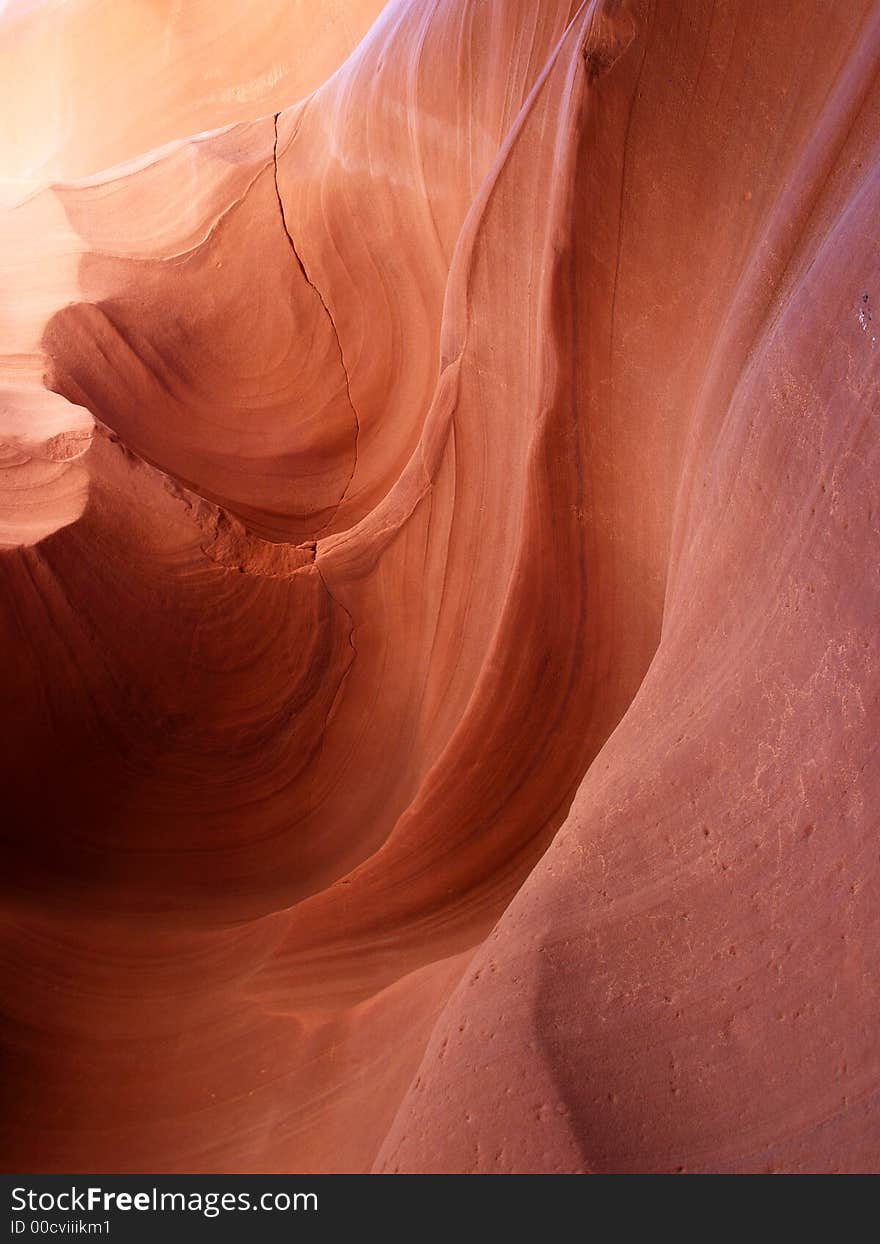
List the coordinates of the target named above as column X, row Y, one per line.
column 439, row 552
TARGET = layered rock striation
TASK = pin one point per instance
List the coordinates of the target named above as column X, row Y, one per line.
column 439, row 555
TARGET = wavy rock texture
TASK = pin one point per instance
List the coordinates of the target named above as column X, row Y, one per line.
column 440, row 581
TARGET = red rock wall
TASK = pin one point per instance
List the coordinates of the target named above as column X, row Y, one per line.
column 440, row 565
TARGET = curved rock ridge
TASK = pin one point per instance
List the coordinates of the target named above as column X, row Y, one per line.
column 438, row 530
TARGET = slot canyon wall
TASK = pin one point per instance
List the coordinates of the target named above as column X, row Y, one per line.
column 440, row 579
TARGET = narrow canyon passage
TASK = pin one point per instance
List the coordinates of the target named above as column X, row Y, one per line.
column 439, row 558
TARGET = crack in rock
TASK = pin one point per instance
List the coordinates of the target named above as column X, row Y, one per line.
column 327, row 312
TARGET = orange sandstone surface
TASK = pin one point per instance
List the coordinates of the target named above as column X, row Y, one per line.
column 439, row 559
